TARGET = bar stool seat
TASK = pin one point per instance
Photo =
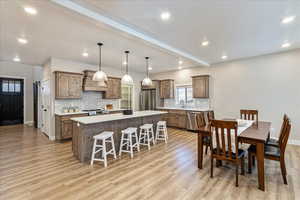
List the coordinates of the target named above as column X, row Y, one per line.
column 106, row 136
column 128, row 135
column 146, row 135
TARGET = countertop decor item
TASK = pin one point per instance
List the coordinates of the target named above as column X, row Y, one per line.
column 127, row 80
column 147, row 81
column 100, row 76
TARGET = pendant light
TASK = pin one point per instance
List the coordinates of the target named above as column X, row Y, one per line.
column 100, row 76
column 127, row 78
column 147, row 81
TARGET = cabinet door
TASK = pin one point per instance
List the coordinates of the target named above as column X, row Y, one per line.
column 181, row 123
column 62, row 85
column 201, row 87
column 75, row 86
column 113, row 89
column 66, row 129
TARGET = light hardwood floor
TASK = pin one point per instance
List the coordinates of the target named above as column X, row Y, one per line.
column 32, row 167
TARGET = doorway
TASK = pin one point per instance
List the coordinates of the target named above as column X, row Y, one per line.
column 45, row 101
column 11, row 101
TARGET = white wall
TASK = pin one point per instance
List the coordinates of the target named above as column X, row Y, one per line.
column 30, row 74
column 268, row 83
column 56, row 64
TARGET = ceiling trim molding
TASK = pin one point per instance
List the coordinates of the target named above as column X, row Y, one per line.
column 103, row 19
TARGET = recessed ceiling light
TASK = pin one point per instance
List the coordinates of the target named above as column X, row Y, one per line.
column 179, row 67
column 205, row 43
column 180, row 62
column 150, row 68
column 17, row 59
column 288, row 19
column 124, row 63
column 165, row 16
column 22, row 40
column 30, row 10
column 85, row 54
column 286, row 45
column 224, row 57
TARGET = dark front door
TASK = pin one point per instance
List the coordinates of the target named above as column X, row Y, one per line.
column 11, row 101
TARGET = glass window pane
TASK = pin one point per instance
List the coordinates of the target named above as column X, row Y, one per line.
column 180, row 95
column 11, row 86
column 126, row 100
column 5, row 86
column 189, row 95
column 17, row 86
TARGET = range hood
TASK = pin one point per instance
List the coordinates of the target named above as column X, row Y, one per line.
column 89, row 84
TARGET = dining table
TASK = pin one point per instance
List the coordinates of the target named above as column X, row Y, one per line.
column 257, row 135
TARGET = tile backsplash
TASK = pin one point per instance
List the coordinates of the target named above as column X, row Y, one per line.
column 89, row 100
column 197, row 103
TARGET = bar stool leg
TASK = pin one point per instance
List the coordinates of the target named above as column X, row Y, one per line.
column 152, row 136
column 130, row 144
column 113, row 147
column 94, row 150
column 121, row 145
column 104, row 153
column 148, row 139
column 137, row 141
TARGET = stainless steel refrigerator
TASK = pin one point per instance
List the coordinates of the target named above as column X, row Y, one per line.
column 148, row 99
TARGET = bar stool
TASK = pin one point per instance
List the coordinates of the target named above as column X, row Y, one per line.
column 105, row 136
column 161, row 131
column 126, row 141
column 146, row 135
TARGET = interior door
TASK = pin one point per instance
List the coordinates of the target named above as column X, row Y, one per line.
column 11, row 101
column 45, row 106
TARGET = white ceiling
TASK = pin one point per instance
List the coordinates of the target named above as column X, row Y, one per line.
column 237, row 28
column 59, row 32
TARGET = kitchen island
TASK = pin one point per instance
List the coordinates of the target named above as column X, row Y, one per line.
column 84, row 128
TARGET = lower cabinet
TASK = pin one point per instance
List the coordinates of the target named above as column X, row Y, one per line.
column 64, row 126
column 175, row 118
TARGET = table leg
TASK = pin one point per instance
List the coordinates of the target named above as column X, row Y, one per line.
column 260, row 155
column 200, row 150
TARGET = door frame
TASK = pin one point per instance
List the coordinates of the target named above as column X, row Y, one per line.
column 24, row 95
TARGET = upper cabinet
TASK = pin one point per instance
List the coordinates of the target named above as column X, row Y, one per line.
column 68, row 85
column 167, row 89
column 200, row 86
column 155, row 84
column 89, row 84
column 113, row 88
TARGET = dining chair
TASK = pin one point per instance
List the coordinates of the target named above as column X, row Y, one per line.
column 210, row 115
column 222, row 131
column 275, row 153
column 200, row 120
column 249, row 115
column 275, row 142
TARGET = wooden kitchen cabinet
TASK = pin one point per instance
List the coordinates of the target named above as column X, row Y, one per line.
column 175, row 118
column 113, row 88
column 200, row 86
column 68, row 85
column 64, row 126
column 167, row 89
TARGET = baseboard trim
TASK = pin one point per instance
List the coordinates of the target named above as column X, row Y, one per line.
column 293, row 142
column 29, row 123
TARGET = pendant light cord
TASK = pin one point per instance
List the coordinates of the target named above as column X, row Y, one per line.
column 127, row 52
column 147, row 66
column 100, row 44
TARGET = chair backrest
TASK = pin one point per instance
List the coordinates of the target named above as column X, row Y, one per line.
column 285, row 132
column 222, row 131
column 210, row 115
column 285, row 120
column 249, row 115
column 200, row 119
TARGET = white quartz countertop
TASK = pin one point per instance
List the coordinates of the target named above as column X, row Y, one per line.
column 187, row 109
column 112, row 117
column 82, row 112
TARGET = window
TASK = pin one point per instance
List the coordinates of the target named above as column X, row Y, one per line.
column 12, row 86
column 126, row 96
column 184, row 94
